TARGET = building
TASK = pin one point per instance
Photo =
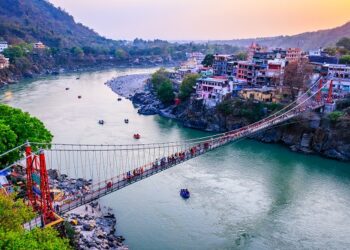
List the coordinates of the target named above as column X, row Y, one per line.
column 261, row 58
column 264, row 94
column 318, row 57
column 212, row 90
column 39, row 45
column 3, row 46
column 246, row 72
column 4, row 62
column 196, row 55
column 340, row 74
column 220, row 64
column 275, row 68
column 294, row 54
column 254, row 48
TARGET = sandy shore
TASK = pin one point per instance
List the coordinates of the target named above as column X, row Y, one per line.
column 128, row 85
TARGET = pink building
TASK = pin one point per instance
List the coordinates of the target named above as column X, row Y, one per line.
column 212, row 90
column 294, row 54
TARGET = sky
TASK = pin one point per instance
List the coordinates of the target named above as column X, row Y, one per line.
column 205, row 19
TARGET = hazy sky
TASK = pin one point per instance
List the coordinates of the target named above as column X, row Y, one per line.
column 205, row 19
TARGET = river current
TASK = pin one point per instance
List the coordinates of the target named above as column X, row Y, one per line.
column 246, row 195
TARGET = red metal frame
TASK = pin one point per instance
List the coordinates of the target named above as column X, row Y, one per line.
column 46, row 202
column 330, row 93
column 29, row 172
column 319, row 93
column 40, row 202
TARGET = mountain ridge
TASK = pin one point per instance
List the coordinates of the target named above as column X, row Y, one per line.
column 306, row 40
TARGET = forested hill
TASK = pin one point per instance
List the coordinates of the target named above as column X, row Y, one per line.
column 307, row 40
column 39, row 20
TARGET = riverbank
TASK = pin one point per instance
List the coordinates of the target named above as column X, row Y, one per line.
column 312, row 133
column 94, row 225
column 8, row 76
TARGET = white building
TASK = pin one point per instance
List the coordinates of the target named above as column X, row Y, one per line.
column 317, row 52
column 212, row 90
column 39, row 45
column 340, row 74
column 3, row 46
column 4, row 62
column 275, row 68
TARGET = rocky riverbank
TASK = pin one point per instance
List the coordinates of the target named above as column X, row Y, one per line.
column 94, row 226
column 313, row 133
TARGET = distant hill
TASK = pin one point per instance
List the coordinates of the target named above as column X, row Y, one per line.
column 307, row 40
column 39, row 20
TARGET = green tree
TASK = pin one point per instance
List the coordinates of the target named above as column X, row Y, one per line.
column 23, row 127
column 165, row 92
column 77, row 52
column 14, row 52
column 187, row 86
column 345, row 59
column 334, row 116
column 13, row 214
column 242, row 56
column 344, row 42
column 159, row 77
column 121, row 54
column 8, row 140
column 208, row 60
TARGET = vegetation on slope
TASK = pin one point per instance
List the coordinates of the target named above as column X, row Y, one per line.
column 13, row 214
column 16, row 127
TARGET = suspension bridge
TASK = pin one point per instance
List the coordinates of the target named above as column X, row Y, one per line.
column 113, row 167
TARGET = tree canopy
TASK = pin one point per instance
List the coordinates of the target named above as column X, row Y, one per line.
column 16, row 127
column 345, row 59
column 187, row 86
column 344, row 42
column 296, row 76
column 165, row 92
column 13, row 214
column 208, row 60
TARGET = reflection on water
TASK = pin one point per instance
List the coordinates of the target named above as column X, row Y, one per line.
column 246, row 195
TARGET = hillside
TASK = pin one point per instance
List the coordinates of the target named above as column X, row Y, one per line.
column 39, row 20
column 307, row 40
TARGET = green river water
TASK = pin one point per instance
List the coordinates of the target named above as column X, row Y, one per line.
column 247, row 195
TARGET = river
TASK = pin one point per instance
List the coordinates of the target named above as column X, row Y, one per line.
column 247, row 195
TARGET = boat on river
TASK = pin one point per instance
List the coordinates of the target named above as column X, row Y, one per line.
column 184, row 193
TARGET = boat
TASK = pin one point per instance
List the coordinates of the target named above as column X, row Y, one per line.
column 119, row 99
column 126, row 120
column 78, row 78
column 79, row 96
column 184, row 193
column 137, row 136
column 101, row 122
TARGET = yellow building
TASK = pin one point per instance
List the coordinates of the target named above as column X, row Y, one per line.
column 261, row 94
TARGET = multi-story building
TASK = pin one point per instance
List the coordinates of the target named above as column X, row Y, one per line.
column 246, row 72
column 220, row 64
column 4, row 62
column 3, row 46
column 212, row 90
column 261, row 58
column 254, row 48
column 294, row 54
column 340, row 74
column 318, row 57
